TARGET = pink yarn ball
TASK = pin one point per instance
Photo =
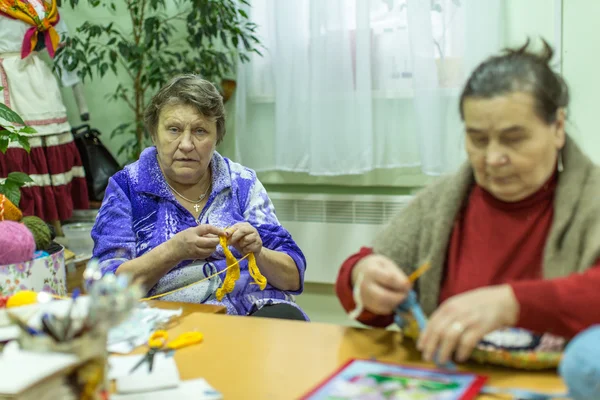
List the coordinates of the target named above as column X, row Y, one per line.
column 16, row 243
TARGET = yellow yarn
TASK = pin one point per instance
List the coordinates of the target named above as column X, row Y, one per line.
column 233, row 274
column 259, row 278
column 22, row 298
column 197, row 282
column 11, row 212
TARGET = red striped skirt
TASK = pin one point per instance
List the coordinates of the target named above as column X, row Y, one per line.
column 59, row 184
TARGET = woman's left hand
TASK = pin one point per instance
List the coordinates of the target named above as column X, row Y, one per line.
column 462, row 321
column 245, row 238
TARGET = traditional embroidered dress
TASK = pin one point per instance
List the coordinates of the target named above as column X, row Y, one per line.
column 139, row 213
column 31, row 89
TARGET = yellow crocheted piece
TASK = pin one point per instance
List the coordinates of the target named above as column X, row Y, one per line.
column 233, row 274
column 8, row 211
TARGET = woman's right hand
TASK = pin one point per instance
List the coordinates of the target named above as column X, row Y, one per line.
column 195, row 243
column 384, row 286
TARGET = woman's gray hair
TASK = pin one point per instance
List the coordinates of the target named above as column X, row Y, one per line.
column 192, row 90
column 520, row 70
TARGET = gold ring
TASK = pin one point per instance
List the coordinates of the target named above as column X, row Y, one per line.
column 458, row 327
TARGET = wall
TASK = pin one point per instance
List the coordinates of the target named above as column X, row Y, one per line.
column 523, row 18
column 580, row 53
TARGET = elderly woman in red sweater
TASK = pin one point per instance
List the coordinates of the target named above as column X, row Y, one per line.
column 513, row 238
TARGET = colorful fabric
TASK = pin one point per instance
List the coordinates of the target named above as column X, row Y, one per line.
column 139, row 213
column 507, row 348
column 24, row 10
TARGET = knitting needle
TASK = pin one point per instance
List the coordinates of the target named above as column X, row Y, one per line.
column 419, row 271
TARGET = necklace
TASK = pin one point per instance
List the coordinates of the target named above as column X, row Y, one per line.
column 196, row 203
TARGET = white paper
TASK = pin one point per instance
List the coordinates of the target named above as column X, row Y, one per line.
column 21, row 369
column 11, row 332
column 121, row 365
column 164, row 375
column 197, row 389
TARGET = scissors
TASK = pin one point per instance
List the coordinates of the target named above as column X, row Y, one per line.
column 158, row 343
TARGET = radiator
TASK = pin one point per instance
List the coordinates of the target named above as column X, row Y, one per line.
column 328, row 228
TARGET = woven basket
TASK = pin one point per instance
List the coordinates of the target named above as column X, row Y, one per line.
column 519, row 359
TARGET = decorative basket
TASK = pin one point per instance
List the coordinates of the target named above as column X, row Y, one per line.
column 44, row 274
column 545, row 353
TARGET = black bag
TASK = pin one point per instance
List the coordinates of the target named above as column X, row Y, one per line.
column 97, row 161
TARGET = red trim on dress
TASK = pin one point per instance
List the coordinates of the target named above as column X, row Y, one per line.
column 4, row 79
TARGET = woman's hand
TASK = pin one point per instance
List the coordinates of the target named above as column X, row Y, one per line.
column 195, row 243
column 463, row 320
column 245, row 238
column 384, row 286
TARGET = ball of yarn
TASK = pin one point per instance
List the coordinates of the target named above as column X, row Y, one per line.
column 16, row 243
column 11, row 212
column 52, row 231
column 22, row 298
column 40, row 231
column 580, row 365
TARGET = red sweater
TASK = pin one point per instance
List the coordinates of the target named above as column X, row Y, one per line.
column 494, row 242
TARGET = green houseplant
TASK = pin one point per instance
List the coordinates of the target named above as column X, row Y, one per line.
column 14, row 130
column 161, row 38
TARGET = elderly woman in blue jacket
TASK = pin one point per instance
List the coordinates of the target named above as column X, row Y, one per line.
column 162, row 216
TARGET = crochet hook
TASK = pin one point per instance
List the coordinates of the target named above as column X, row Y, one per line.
column 419, row 271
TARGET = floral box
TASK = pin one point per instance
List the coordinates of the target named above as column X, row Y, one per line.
column 47, row 274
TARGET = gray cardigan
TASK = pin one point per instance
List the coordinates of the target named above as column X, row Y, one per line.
column 421, row 232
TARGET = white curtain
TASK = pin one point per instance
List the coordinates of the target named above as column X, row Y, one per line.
column 349, row 86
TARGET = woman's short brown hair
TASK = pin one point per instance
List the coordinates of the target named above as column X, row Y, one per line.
column 192, row 90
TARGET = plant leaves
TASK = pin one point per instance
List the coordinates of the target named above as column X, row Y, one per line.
column 3, row 144
column 24, row 142
column 12, row 191
column 149, row 49
column 19, row 178
column 9, row 115
column 27, row 129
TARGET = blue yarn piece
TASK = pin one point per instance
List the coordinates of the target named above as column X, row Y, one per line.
column 411, row 305
column 580, row 365
column 40, row 254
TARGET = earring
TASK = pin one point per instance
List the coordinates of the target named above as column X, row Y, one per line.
column 560, row 166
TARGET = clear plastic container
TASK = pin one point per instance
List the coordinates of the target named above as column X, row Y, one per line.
column 79, row 238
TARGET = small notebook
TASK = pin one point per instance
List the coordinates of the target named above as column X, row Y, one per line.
column 368, row 379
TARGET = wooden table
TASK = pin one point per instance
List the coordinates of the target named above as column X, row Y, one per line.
column 258, row 358
column 188, row 308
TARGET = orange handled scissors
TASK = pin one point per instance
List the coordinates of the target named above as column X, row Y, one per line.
column 158, row 343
